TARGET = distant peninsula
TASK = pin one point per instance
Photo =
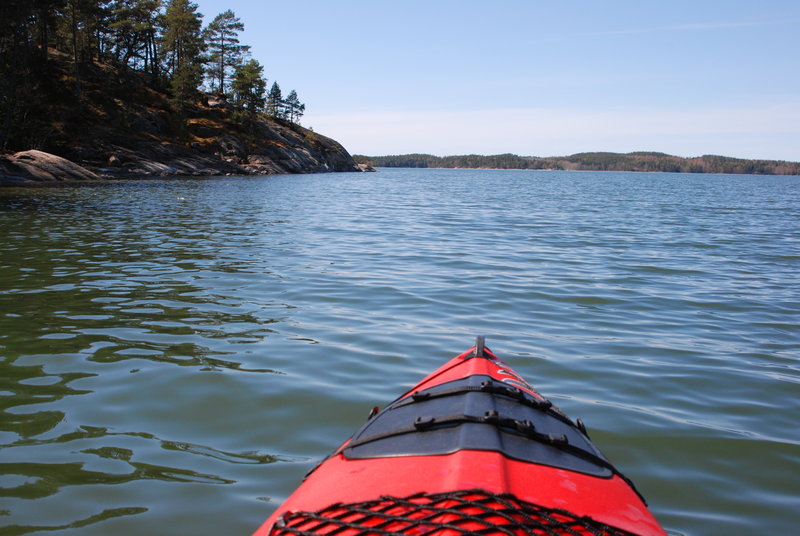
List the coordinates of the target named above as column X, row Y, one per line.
column 601, row 161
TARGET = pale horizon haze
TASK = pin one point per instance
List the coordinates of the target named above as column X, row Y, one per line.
column 536, row 78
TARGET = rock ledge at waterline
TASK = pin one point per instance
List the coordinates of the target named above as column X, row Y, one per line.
column 122, row 124
column 279, row 147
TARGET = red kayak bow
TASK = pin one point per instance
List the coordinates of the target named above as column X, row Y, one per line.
column 471, row 449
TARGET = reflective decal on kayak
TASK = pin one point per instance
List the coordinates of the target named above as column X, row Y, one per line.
column 515, row 379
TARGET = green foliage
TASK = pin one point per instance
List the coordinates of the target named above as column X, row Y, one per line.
column 294, row 108
column 225, row 52
column 26, row 27
column 638, row 161
column 183, row 84
column 132, row 33
column 182, row 41
column 249, row 87
column 275, row 105
column 290, row 108
column 473, row 161
column 49, row 48
column 182, row 46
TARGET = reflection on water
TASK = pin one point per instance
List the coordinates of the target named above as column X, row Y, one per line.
column 100, row 288
column 14, row 530
column 179, row 353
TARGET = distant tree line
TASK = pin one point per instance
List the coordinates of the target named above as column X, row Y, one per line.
column 603, row 161
column 163, row 39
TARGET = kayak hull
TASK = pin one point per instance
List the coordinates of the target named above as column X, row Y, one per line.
column 460, row 456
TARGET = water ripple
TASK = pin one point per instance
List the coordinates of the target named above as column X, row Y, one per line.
column 179, row 353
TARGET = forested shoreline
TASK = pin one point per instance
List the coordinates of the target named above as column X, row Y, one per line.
column 164, row 42
column 131, row 88
column 599, row 161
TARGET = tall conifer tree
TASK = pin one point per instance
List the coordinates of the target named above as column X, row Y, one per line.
column 275, row 106
column 76, row 28
column 183, row 46
column 225, row 52
column 249, row 87
column 294, row 108
column 133, row 25
column 181, row 41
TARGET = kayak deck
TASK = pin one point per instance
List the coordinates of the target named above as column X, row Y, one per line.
column 472, row 448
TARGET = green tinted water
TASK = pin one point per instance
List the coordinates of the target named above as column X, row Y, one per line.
column 175, row 355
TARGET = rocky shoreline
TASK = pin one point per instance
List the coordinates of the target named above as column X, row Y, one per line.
column 125, row 126
column 280, row 148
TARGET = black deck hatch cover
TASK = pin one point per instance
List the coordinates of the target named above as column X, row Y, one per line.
column 478, row 413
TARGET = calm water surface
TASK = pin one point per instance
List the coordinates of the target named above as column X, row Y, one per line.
column 175, row 355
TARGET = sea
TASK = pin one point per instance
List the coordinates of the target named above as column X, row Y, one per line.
column 176, row 354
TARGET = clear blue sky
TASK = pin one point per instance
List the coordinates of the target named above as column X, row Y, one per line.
column 540, row 78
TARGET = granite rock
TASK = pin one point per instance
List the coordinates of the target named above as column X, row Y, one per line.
column 39, row 166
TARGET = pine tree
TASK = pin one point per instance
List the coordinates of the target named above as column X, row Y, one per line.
column 45, row 17
column 294, row 108
column 226, row 53
column 182, row 47
column 184, row 83
column 73, row 17
column 133, row 25
column 249, row 87
column 181, row 41
column 76, row 31
column 275, row 104
column 18, row 59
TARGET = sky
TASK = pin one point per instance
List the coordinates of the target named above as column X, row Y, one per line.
column 535, row 77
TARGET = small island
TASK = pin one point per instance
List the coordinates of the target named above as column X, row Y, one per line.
column 95, row 90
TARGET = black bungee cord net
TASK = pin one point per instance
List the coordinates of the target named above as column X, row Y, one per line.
column 455, row 513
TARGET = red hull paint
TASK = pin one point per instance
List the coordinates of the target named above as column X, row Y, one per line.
column 609, row 500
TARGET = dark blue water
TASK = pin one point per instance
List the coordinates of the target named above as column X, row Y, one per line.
column 175, row 355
